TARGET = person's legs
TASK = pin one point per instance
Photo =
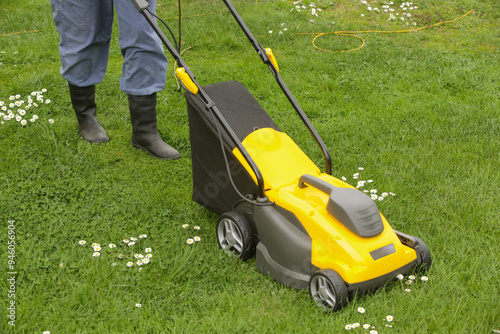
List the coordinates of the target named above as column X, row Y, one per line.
column 85, row 28
column 143, row 75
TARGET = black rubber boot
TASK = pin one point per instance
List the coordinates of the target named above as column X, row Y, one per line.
column 145, row 133
column 83, row 100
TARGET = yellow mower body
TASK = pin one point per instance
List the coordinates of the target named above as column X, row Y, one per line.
column 357, row 259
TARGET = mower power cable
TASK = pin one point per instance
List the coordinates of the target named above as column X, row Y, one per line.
column 243, row 197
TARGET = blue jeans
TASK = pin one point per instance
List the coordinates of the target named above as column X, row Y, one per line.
column 85, row 28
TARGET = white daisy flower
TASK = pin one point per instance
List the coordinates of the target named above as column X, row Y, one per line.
column 145, row 261
column 114, row 264
column 374, row 197
column 407, row 290
column 424, row 278
column 185, row 226
column 148, row 256
column 412, row 277
column 35, row 116
column 389, row 318
column 95, row 244
column 148, row 250
column 361, row 310
column 189, row 241
column 400, row 277
column 138, row 305
column 366, row 326
column 197, row 239
column 44, row 90
column 96, row 254
column 112, row 245
column 348, row 327
column 51, row 121
column 120, row 256
column 196, row 228
column 126, row 241
column 47, row 101
column 373, row 331
column 130, row 264
column 142, row 236
column 61, row 265
column 355, row 325
column 82, row 242
column 131, row 243
column 133, row 239
column 97, row 248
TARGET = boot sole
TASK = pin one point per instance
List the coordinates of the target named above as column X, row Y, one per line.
column 139, row 147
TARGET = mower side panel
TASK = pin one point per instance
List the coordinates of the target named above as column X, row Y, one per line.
column 284, row 250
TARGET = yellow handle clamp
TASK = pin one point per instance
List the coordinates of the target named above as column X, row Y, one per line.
column 186, row 80
column 271, row 57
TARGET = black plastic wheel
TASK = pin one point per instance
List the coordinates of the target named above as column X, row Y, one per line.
column 424, row 255
column 328, row 290
column 235, row 235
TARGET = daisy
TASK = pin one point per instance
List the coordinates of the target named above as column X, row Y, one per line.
column 196, row 228
column 112, row 245
column 35, row 117
column 189, row 241
column 373, row 332
column 411, row 277
column 366, row 326
column 148, row 250
column 197, row 239
column 138, row 305
column 97, row 248
column 114, row 264
column 51, row 121
column 96, row 254
column 133, row 238
column 44, row 90
column 82, row 242
column 131, row 243
column 130, row 264
column 142, row 236
column 374, row 197
column 145, row 261
column 95, row 244
column 185, row 225
column 47, row 101
column 148, row 256
column 356, row 325
column 361, row 310
column 120, row 256
column 139, row 262
column 400, row 277
column 61, row 265
column 347, row 327
column 126, row 241
column 389, row 318
column 407, row 290
column 424, row 278
column 409, row 282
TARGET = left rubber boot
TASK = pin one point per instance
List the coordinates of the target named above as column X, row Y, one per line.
column 144, row 127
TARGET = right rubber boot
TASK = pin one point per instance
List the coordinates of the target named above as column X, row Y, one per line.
column 83, row 101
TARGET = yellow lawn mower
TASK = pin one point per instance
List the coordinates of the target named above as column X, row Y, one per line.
column 307, row 229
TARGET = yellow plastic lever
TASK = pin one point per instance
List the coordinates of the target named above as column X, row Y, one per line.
column 270, row 54
column 186, row 80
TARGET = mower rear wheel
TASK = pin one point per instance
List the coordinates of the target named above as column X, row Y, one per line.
column 328, row 290
column 235, row 235
column 425, row 259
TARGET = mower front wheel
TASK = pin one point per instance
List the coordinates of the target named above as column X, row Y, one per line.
column 235, row 235
column 328, row 290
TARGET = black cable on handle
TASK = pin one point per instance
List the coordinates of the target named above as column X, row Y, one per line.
column 142, row 6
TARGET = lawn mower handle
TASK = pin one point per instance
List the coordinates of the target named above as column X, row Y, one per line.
column 142, row 7
column 265, row 58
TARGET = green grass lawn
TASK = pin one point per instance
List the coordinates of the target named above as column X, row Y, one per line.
column 419, row 111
